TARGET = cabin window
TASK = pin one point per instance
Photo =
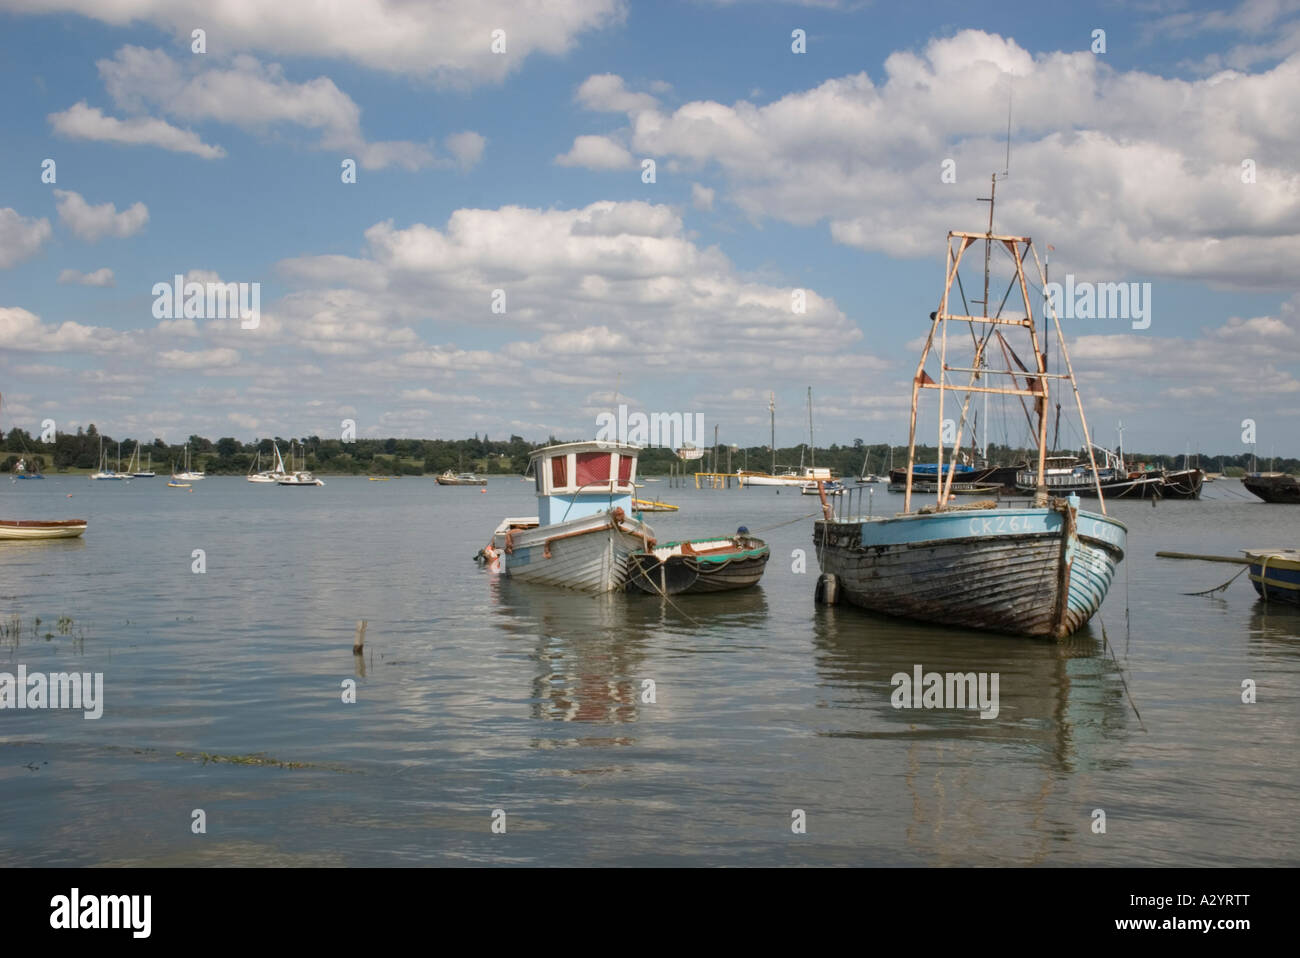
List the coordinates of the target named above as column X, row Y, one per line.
column 559, row 472
column 593, row 468
column 625, row 464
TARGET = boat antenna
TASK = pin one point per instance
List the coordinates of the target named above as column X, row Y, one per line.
column 1006, row 170
column 771, row 408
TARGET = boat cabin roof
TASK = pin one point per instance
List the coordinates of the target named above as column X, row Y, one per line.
column 591, row 445
column 586, row 469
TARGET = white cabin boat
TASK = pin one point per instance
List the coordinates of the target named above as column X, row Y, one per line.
column 807, row 475
column 584, row 531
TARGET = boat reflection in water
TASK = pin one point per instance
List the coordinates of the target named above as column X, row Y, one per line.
column 1274, row 630
column 592, row 652
column 944, row 786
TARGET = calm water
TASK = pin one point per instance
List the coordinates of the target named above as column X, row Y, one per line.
column 481, row 693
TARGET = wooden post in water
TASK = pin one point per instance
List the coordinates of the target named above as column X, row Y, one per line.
column 359, row 643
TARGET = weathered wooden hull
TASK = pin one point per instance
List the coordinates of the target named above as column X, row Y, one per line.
column 686, row 574
column 1276, row 487
column 1033, row 571
column 1183, row 484
column 588, row 554
column 31, row 529
column 1276, row 574
column 1139, row 487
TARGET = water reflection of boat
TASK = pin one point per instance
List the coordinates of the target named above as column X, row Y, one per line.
column 589, row 658
column 1275, row 629
column 967, row 790
column 592, row 651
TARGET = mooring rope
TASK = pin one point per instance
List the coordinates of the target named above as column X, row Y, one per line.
column 1105, row 639
column 664, row 595
column 1220, row 588
column 811, row 515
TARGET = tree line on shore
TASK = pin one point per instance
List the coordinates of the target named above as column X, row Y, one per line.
column 415, row 457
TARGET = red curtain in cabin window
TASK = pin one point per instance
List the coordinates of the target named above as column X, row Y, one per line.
column 559, row 472
column 593, row 467
column 625, row 464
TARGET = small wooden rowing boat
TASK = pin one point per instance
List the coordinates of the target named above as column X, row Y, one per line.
column 178, row 485
column 41, row 528
column 718, row 564
column 1275, row 574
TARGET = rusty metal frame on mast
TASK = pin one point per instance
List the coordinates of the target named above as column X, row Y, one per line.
column 1020, row 248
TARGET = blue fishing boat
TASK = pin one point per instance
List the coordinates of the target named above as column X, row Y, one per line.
column 1038, row 569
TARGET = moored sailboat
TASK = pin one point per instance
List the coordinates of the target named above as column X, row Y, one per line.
column 187, row 474
column 134, row 467
column 1042, row 569
column 267, row 476
column 105, row 473
column 22, row 472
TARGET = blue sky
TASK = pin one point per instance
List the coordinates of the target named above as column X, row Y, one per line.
column 521, row 171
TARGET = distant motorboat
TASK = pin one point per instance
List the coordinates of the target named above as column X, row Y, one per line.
column 832, row 487
column 800, row 478
column 450, row 478
column 300, row 479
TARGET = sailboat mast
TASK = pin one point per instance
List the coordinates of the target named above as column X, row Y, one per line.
column 812, row 445
column 771, row 408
